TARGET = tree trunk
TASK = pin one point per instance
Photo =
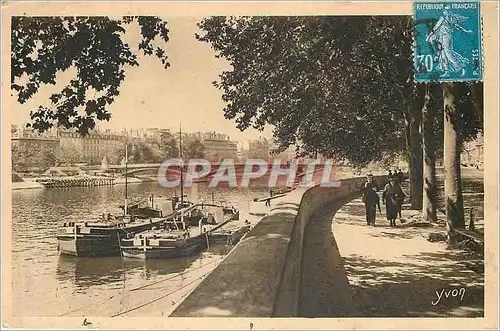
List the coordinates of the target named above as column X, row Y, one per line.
column 429, row 159
column 477, row 93
column 414, row 154
column 452, row 179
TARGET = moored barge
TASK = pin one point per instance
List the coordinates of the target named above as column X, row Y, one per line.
column 179, row 239
column 101, row 236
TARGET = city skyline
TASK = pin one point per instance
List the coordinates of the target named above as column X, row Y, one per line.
column 152, row 145
column 243, row 144
column 151, row 94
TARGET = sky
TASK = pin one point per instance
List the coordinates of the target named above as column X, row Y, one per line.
column 151, row 96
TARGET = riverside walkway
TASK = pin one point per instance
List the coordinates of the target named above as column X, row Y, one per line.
column 354, row 270
column 261, row 276
column 314, row 256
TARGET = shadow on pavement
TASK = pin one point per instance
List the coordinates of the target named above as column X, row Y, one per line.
column 394, row 289
column 359, row 286
column 325, row 290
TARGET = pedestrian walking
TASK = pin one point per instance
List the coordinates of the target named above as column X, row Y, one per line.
column 400, row 176
column 400, row 201
column 391, row 196
column 370, row 199
column 268, row 201
column 399, row 180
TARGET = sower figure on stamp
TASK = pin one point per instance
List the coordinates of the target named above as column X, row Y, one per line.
column 441, row 37
column 371, row 199
column 392, row 195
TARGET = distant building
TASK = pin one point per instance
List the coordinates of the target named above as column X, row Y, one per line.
column 154, row 134
column 71, row 147
column 188, row 137
column 89, row 149
column 33, row 149
column 219, row 146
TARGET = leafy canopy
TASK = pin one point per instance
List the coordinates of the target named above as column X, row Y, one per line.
column 168, row 146
column 94, row 46
column 328, row 84
column 26, row 156
column 339, row 86
column 194, row 150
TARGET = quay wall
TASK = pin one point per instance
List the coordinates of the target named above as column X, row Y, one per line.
column 261, row 277
column 26, row 185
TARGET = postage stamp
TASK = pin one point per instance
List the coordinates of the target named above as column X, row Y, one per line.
column 447, row 41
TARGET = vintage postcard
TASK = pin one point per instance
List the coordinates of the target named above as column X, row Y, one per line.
column 250, row 165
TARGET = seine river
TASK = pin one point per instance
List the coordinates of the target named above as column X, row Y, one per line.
column 46, row 284
column 52, row 285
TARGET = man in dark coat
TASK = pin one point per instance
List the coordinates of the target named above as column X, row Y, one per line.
column 371, row 199
column 400, row 178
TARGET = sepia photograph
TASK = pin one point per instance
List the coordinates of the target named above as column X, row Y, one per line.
column 174, row 162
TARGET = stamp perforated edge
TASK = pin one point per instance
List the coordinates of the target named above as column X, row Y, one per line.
column 481, row 44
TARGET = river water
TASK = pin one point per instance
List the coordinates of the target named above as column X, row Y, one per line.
column 52, row 285
column 46, row 284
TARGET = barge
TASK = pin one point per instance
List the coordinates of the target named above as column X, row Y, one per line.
column 178, row 238
column 101, row 236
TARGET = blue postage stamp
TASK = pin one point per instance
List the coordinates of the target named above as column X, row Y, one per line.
column 447, row 41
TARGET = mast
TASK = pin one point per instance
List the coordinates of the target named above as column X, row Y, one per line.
column 126, row 182
column 182, row 176
column 182, row 164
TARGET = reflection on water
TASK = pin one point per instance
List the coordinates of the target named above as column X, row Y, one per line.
column 85, row 273
column 48, row 284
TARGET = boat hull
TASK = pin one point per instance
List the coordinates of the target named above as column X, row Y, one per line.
column 228, row 238
column 89, row 246
column 146, row 253
column 99, row 241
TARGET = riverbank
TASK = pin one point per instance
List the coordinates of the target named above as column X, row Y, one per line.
column 130, row 180
column 315, row 256
column 26, row 185
column 246, row 282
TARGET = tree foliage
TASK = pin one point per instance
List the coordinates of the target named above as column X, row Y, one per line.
column 195, row 150
column 71, row 154
column 39, row 155
column 339, row 86
column 138, row 152
column 42, row 47
column 168, row 146
column 329, row 84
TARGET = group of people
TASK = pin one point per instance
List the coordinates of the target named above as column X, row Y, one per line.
column 397, row 174
column 392, row 195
